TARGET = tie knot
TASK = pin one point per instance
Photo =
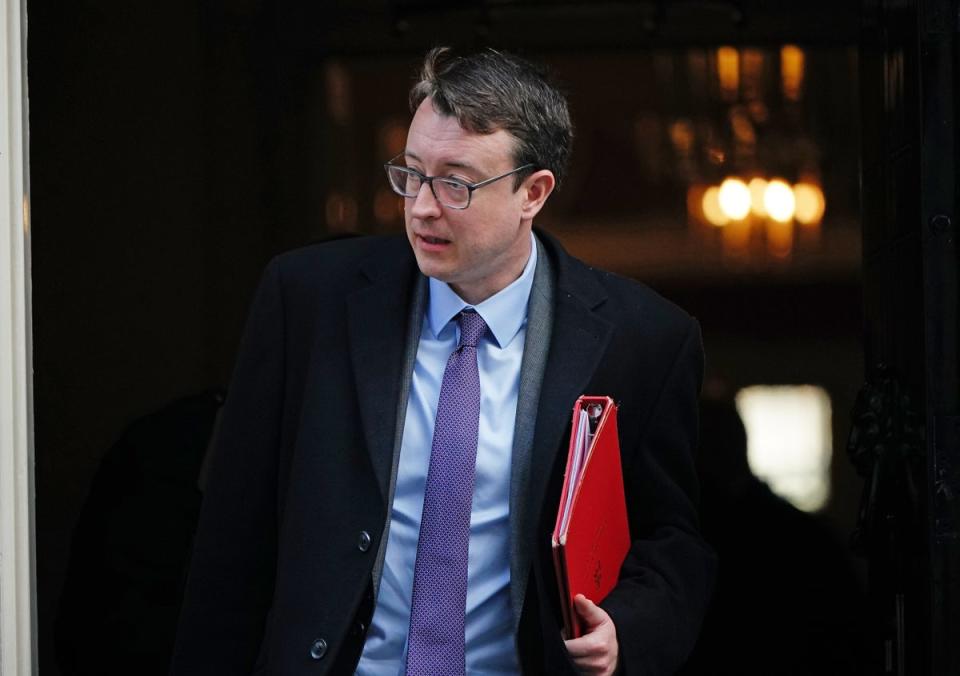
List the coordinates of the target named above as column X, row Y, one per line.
column 472, row 328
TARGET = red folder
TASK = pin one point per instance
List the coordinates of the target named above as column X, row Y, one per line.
column 591, row 536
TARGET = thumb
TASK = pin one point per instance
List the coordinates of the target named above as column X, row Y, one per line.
column 591, row 614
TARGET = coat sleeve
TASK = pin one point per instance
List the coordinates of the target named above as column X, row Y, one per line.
column 230, row 583
column 667, row 577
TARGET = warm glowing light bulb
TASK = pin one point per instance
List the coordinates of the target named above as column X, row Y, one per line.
column 779, row 201
column 757, row 187
column 791, row 71
column 734, row 199
column 728, row 71
column 711, row 207
column 810, row 203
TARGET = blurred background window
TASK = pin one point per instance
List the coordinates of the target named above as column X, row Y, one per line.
column 789, row 440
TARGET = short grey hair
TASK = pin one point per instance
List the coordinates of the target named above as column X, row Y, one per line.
column 491, row 90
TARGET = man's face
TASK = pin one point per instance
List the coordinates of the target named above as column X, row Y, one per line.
column 481, row 249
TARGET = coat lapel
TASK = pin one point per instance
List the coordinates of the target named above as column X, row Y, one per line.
column 539, row 327
column 377, row 318
column 578, row 341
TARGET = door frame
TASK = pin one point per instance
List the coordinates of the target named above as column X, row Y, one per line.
column 18, row 600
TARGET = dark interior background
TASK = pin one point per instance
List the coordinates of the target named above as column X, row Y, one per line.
column 176, row 147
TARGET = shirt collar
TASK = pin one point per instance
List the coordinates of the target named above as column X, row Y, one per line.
column 504, row 312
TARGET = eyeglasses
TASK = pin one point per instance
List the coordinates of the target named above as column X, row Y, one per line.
column 450, row 192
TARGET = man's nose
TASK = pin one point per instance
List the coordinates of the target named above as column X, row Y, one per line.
column 425, row 205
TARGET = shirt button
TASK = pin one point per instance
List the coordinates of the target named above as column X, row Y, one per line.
column 363, row 544
column 318, row 649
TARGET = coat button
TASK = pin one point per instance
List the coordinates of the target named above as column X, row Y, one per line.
column 318, row 649
column 363, row 544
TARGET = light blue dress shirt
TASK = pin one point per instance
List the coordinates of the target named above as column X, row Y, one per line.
column 490, row 639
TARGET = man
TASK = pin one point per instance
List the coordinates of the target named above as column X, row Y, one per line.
column 393, row 443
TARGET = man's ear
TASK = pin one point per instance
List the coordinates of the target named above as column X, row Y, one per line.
column 536, row 188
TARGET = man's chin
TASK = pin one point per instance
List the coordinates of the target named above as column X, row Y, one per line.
column 437, row 275
column 432, row 268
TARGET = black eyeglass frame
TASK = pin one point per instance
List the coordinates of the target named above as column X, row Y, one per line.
column 455, row 181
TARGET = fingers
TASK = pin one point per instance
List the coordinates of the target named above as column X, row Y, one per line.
column 587, row 646
column 592, row 654
column 591, row 614
column 596, row 652
column 595, row 666
column 597, row 643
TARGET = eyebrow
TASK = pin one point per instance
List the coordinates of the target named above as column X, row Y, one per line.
column 454, row 165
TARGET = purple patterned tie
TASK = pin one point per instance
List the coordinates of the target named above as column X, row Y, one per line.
column 436, row 640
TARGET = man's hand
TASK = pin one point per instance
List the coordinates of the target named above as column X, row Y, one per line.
column 596, row 652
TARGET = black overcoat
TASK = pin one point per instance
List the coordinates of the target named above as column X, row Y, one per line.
column 296, row 501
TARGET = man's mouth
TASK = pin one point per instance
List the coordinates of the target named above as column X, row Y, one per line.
column 434, row 240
